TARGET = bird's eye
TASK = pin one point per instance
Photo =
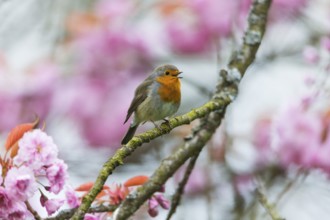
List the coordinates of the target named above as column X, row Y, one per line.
column 167, row 73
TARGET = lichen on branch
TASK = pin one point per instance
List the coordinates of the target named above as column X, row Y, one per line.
column 137, row 141
column 68, row 213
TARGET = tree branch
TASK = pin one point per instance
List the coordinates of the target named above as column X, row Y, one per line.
column 180, row 190
column 117, row 159
column 214, row 110
column 269, row 208
column 68, row 213
column 226, row 91
column 33, row 212
column 169, row 165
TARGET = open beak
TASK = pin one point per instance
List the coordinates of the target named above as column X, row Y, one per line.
column 180, row 77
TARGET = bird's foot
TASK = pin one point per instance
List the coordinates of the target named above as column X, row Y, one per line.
column 159, row 127
column 167, row 122
column 156, row 126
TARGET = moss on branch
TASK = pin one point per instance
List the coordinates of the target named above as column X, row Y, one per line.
column 68, row 213
column 119, row 156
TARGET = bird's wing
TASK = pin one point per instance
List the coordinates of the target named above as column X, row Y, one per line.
column 141, row 94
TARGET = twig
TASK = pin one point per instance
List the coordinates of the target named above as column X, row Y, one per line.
column 286, row 188
column 68, row 213
column 268, row 207
column 239, row 206
column 179, row 191
column 33, row 212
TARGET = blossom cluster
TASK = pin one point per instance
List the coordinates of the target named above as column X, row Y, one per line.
column 202, row 23
column 298, row 136
column 319, row 54
column 106, row 47
column 114, row 195
column 34, row 94
column 157, row 199
column 29, row 166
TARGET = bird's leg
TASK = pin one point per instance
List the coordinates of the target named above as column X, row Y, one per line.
column 156, row 126
column 167, row 122
column 159, row 127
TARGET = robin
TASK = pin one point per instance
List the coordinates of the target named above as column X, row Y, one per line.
column 156, row 98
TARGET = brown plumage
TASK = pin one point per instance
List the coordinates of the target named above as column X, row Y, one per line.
column 157, row 97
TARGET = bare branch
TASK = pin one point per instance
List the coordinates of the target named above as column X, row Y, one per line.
column 179, row 191
column 68, row 213
column 269, row 208
column 33, row 212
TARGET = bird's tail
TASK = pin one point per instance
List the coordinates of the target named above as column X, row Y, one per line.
column 130, row 133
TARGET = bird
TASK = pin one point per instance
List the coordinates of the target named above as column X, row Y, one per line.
column 156, row 98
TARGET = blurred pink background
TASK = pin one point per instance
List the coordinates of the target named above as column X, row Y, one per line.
column 76, row 65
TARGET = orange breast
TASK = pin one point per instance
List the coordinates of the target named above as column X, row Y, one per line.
column 169, row 89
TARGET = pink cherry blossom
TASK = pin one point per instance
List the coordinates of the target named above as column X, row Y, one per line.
column 89, row 216
column 90, row 102
column 299, row 135
column 243, row 184
column 262, row 139
column 197, row 181
column 311, row 55
column 325, row 43
column 33, row 94
column 72, row 198
column 117, row 193
column 1, row 179
column 216, row 16
column 43, row 199
column 36, row 149
column 52, row 205
column 18, row 211
column 279, row 10
column 287, row 7
column 153, row 207
column 105, row 53
column 10, row 108
column 20, row 183
column 298, row 132
column 162, row 201
column 116, row 12
column 197, row 25
column 56, row 175
column 187, row 38
column 5, row 202
column 155, row 201
column 105, row 59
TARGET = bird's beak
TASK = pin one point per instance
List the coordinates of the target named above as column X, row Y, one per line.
column 180, row 77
